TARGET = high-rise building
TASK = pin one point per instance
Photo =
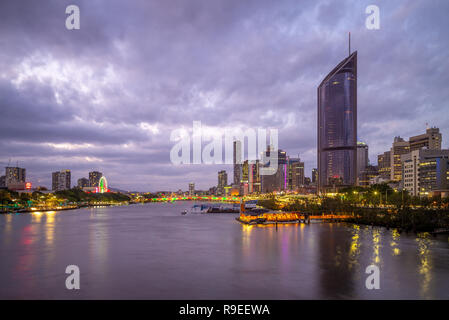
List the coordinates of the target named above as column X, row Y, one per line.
column 61, row 180
column 94, row 178
column 362, row 157
column 14, row 176
column 337, row 126
column 430, row 140
column 425, row 170
column 277, row 181
column 83, row 182
column 384, row 165
column 399, row 147
column 222, row 182
column 295, row 174
column 367, row 174
column 191, row 189
column 254, row 177
column 314, row 175
column 237, row 161
column 2, row 181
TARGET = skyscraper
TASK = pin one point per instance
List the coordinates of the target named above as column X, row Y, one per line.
column 399, row 147
column 362, row 157
column 337, row 126
column 314, row 175
column 384, row 164
column 237, row 161
column 295, row 173
column 14, row 176
column 94, row 178
column 61, row 180
column 191, row 189
column 277, row 181
column 222, row 181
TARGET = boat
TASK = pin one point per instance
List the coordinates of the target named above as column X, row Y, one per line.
column 212, row 208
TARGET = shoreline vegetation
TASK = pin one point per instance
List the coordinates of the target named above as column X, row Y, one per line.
column 378, row 205
column 13, row 202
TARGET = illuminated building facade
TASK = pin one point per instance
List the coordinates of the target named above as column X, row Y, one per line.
column 83, row 182
column 384, row 165
column 254, row 183
column 295, row 174
column 337, row 126
column 94, row 178
column 237, row 161
column 362, row 157
column 14, row 176
column 425, row 171
column 278, row 181
column 222, row 182
column 61, row 180
column 367, row 174
column 398, row 148
column 430, row 140
column 314, row 175
column 191, row 189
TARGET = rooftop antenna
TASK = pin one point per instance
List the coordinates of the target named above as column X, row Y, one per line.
column 349, row 43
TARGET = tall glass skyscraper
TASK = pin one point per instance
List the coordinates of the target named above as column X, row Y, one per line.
column 337, row 126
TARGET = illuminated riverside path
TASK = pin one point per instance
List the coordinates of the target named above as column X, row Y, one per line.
column 151, row 251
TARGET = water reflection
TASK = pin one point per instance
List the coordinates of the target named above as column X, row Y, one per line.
column 425, row 266
column 376, row 247
column 395, row 242
column 151, row 251
column 354, row 250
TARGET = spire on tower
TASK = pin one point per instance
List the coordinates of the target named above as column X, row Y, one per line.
column 349, row 43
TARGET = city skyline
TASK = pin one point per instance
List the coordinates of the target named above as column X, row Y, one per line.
column 107, row 101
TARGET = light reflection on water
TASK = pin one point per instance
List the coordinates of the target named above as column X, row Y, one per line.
column 151, row 251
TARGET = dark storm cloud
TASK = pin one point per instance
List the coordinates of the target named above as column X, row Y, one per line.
column 107, row 96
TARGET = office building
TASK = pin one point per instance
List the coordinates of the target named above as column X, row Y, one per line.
column 430, row 140
column 237, row 161
column 222, row 182
column 94, row 178
column 254, row 183
column 362, row 157
column 399, row 147
column 61, row 180
column 191, row 189
column 425, row 171
column 83, row 183
column 15, row 176
column 384, row 165
column 295, row 174
column 314, row 175
column 337, row 126
column 277, row 181
column 367, row 175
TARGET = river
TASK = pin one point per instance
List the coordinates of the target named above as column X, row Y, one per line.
column 151, row 251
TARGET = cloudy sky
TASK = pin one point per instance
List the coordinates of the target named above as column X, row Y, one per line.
column 107, row 97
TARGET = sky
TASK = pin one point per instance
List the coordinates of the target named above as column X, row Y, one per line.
column 108, row 96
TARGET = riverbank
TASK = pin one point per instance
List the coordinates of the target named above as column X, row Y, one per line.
column 59, row 208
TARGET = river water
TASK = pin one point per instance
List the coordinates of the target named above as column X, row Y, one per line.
column 151, row 251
